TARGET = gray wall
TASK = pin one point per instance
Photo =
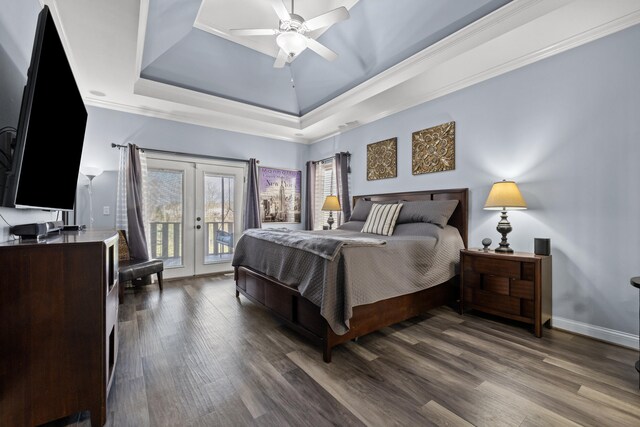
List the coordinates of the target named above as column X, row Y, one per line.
column 17, row 31
column 567, row 130
column 107, row 126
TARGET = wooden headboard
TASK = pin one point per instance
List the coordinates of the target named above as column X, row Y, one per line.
column 460, row 217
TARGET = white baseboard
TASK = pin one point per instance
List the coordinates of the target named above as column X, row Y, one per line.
column 605, row 334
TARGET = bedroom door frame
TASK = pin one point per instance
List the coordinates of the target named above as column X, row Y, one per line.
column 194, row 170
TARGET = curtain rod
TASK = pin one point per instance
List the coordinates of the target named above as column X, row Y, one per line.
column 330, row 158
column 178, row 153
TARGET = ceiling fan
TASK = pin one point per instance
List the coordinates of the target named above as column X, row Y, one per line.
column 292, row 32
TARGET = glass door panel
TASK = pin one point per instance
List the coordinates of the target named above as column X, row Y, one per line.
column 219, row 207
column 168, row 209
column 218, row 211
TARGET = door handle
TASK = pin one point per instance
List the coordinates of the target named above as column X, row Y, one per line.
column 198, row 226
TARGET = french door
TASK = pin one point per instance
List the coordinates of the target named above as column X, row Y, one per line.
column 195, row 214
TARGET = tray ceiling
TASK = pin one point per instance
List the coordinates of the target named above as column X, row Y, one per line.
column 146, row 57
column 378, row 35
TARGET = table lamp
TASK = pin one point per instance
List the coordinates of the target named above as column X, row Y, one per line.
column 331, row 203
column 504, row 195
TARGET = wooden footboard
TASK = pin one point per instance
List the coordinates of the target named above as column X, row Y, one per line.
column 303, row 316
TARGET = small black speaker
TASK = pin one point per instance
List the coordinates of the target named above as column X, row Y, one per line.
column 542, row 246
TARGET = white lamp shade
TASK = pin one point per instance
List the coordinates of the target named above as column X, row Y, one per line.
column 292, row 42
column 331, row 203
column 91, row 171
column 505, row 195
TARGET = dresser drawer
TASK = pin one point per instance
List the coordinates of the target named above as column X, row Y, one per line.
column 497, row 267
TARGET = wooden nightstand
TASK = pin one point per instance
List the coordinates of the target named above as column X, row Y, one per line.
column 516, row 286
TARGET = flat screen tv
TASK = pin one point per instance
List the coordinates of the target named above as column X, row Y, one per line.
column 50, row 132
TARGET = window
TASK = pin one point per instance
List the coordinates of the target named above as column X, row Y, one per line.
column 325, row 186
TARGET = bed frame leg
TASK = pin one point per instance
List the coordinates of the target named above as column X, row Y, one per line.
column 326, row 353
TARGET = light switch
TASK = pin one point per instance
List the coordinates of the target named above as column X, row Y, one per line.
column 105, row 210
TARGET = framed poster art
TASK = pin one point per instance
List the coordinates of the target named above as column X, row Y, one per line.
column 280, row 196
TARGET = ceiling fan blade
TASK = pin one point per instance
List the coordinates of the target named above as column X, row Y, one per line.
column 281, row 59
column 253, row 32
column 326, row 19
column 280, row 9
column 321, row 49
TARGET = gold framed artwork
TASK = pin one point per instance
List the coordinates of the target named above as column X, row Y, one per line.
column 434, row 149
column 382, row 159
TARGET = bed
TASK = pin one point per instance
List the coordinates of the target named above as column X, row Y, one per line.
column 305, row 315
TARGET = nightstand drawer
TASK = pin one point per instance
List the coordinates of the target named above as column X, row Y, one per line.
column 497, row 302
column 528, row 271
column 495, row 284
column 522, row 289
column 497, row 267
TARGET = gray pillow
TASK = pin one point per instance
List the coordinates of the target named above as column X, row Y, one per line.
column 433, row 211
column 363, row 207
column 417, row 229
column 361, row 210
column 352, row 226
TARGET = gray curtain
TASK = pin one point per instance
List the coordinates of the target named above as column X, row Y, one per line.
column 309, row 196
column 342, row 181
column 135, row 209
column 252, row 207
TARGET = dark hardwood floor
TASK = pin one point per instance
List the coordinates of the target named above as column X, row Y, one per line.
column 179, row 365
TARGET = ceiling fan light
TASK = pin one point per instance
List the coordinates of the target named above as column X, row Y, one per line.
column 292, row 42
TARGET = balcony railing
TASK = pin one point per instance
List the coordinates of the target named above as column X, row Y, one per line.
column 166, row 241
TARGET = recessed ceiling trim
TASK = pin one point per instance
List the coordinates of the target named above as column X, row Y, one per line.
column 324, row 120
column 439, row 82
column 204, row 117
column 475, row 34
column 142, row 31
column 197, row 99
column 508, row 46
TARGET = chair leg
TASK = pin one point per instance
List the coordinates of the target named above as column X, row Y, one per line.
column 159, row 273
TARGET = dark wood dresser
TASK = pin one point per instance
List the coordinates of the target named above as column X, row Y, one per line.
column 58, row 327
column 516, row 286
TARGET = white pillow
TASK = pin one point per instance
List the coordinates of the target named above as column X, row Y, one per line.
column 382, row 219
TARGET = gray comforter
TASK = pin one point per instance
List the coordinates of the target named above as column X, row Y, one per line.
column 324, row 245
column 358, row 275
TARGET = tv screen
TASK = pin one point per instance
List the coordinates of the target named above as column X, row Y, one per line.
column 50, row 133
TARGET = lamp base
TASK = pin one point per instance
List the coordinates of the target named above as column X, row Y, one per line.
column 505, row 250
column 504, row 228
column 330, row 220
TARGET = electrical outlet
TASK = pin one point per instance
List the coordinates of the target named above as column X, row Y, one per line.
column 105, row 211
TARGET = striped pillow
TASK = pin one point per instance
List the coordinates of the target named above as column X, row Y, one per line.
column 382, row 219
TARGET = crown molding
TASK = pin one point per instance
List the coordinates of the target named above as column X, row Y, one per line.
column 518, row 34
column 419, row 97
column 497, row 22
column 202, row 117
column 194, row 98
